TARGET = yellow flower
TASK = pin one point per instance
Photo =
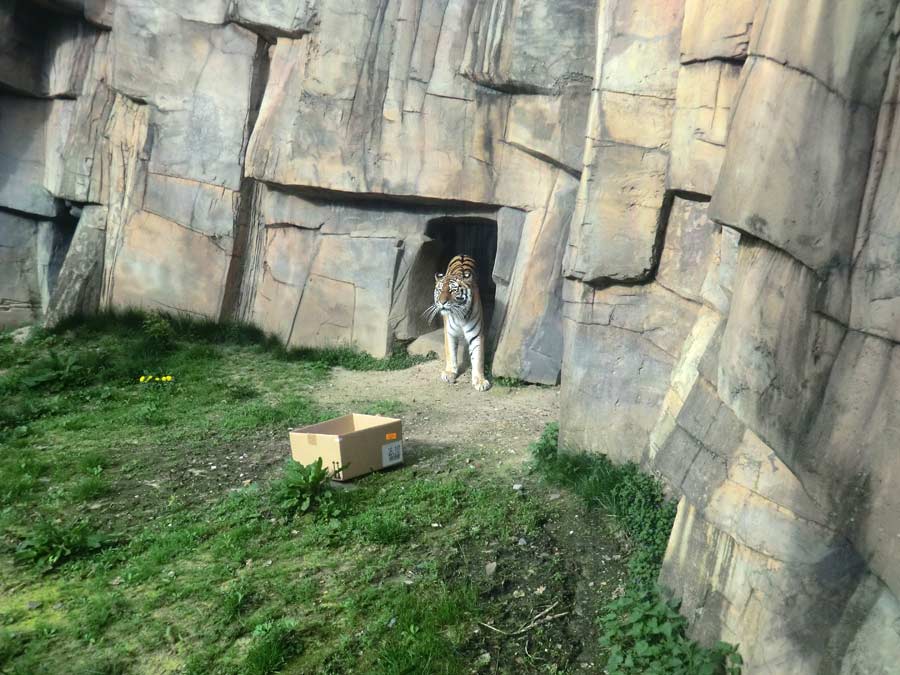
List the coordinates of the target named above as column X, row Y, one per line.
column 143, row 378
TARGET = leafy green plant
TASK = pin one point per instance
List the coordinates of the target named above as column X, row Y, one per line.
column 646, row 517
column 57, row 371
column 303, row 488
column 50, row 543
column 643, row 634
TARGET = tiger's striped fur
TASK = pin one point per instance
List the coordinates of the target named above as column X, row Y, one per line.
column 457, row 300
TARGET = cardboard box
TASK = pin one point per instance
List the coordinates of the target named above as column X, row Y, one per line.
column 358, row 443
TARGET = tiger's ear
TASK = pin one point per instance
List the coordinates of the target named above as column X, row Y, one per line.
column 438, row 276
column 467, row 274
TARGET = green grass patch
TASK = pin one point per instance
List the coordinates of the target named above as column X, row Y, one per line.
column 130, row 543
column 355, row 582
column 143, row 527
column 641, row 631
column 509, row 382
column 81, row 399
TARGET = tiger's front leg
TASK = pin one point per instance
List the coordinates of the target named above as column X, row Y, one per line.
column 476, row 358
column 451, row 367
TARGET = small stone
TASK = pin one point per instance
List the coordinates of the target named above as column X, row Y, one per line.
column 34, row 604
column 490, row 568
column 392, row 622
column 518, row 594
column 483, row 660
column 517, row 487
column 522, row 541
column 554, row 496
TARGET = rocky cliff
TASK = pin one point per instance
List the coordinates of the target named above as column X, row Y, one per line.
column 686, row 211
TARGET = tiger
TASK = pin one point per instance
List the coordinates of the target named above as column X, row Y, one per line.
column 457, row 300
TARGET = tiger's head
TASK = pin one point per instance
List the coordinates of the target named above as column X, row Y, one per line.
column 454, row 290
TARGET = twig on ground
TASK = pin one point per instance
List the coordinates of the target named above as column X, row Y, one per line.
column 536, row 621
column 535, row 624
column 496, row 630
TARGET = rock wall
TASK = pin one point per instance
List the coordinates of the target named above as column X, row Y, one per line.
column 293, row 163
column 722, row 323
column 693, row 205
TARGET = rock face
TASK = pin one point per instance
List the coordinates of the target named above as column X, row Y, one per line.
column 737, row 347
column 685, row 210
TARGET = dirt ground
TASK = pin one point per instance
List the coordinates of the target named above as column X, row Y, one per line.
column 501, row 421
column 442, row 424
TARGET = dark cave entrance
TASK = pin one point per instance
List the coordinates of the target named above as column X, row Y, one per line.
column 466, row 235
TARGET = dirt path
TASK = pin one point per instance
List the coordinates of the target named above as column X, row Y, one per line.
column 500, row 422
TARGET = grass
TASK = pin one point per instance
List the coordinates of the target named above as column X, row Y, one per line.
column 356, row 583
column 641, row 631
column 140, row 531
column 144, row 530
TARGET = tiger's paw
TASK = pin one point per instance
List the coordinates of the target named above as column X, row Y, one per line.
column 480, row 384
column 449, row 376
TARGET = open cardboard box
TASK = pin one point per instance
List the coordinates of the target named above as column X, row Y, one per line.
column 358, row 443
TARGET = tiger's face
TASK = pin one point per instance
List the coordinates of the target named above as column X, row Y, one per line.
column 452, row 294
column 451, row 291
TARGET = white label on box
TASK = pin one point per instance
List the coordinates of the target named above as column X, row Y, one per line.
column 392, row 453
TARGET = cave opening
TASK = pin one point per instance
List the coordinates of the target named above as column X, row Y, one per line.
column 471, row 236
